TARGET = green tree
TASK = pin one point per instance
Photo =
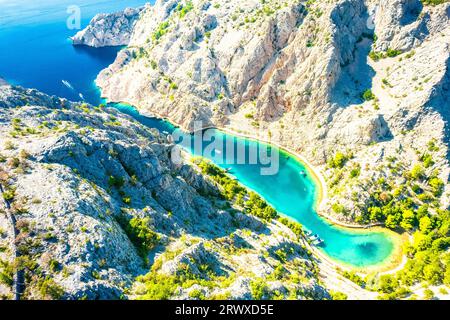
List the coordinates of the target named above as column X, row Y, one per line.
column 339, row 160
column 437, row 186
column 368, row 95
column 391, row 222
column 417, row 172
column 433, row 272
column 375, row 213
column 428, row 294
column 447, row 274
column 408, row 220
column 259, row 289
column 387, row 284
column 425, row 224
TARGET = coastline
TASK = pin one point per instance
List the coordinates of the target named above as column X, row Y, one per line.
column 397, row 257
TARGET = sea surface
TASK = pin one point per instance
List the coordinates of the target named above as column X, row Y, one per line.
column 35, row 52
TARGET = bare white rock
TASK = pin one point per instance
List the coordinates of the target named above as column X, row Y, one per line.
column 112, row 29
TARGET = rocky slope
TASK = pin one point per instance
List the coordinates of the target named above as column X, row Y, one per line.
column 112, row 29
column 95, row 201
column 361, row 80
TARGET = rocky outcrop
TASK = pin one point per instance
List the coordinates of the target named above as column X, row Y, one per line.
column 405, row 24
column 295, row 73
column 112, row 29
column 76, row 175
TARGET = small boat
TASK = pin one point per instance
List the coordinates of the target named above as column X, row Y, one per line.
column 303, row 173
column 228, row 169
column 217, row 151
column 81, row 96
column 165, row 132
column 318, row 242
column 67, row 84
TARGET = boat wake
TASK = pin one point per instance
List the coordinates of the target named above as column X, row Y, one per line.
column 69, row 86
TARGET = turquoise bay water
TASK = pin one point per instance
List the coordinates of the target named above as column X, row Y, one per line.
column 290, row 193
column 35, row 52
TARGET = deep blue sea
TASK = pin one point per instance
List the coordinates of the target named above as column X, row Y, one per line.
column 35, row 52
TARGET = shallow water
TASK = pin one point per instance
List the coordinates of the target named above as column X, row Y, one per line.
column 35, row 52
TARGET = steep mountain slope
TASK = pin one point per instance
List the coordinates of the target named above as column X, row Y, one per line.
column 92, row 200
column 296, row 73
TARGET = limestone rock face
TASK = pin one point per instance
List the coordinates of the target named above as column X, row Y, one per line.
column 108, row 29
column 295, row 73
column 405, row 24
column 79, row 173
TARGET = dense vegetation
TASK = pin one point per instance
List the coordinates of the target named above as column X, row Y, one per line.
column 140, row 234
column 408, row 202
column 233, row 191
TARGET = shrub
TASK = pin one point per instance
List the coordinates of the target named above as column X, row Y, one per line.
column 259, row 289
column 185, row 9
column 160, row 31
column 140, row 234
column 428, row 294
column 387, row 284
column 49, row 289
column 338, row 208
column 9, row 194
column 6, row 273
column 417, row 172
column 368, row 95
column 427, row 160
column 355, row 172
column 352, row 276
column 437, row 186
column 392, row 53
column 338, row 295
column 296, row 227
column 117, row 182
column 339, row 160
column 196, row 294
column 158, row 286
column 54, row 265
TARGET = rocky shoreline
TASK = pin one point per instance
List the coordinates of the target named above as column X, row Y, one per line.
column 317, row 124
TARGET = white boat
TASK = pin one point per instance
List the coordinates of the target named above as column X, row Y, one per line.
column 302, row 173
column 81, row 96
column 318, row 242
column 67, row 84
column 217, row 151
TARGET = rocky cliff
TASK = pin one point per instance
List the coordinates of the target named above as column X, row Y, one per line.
column 94, row 200
column 361, row 80
column 112, row 29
